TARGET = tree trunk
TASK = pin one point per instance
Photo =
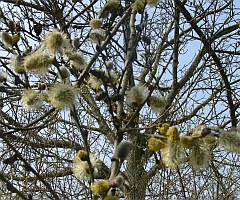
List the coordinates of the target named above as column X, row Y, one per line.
column 136, row 174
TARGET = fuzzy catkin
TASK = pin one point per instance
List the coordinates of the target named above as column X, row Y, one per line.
column 7, row 39
column 117, row 181
column 76, row 42
column 100, row 187
column 64, row 72
column 230, row 140
column 123, row 149
column 155, row 144
column 62, row 96
column 199, row 158
column 137, row 94
column 173, row 154
column 96, row 23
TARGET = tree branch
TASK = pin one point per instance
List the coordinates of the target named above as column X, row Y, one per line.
column 207, row 45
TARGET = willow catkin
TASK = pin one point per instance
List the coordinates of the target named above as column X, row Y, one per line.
column 123, row 149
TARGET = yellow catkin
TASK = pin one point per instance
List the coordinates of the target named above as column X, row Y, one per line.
column 56, row 41
column 209, row 139
column 187, row 141
column 173, row 154
column 97, row 35
column 155, row 144
column 163, row 128
column 199, row 158
column 110, row 198
column 37, row 63
column 82, row 155
column 31, row 99
column 100, row 187
column 230, row 140
column 172, row 134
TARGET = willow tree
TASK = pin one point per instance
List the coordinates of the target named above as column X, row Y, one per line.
column 119, row 99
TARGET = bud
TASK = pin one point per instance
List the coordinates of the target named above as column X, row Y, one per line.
column 7, row 39
column 18, row 27
column 11, row 25
column 17, row 80
column 76, row 43
column 85, row 133
column 205, row 131
column 64, row 72
column 37, row 29
column 98, row 48
column 30, row 196
column 117, row 182
column 116, row 122
column 150, row 88
column 123, row 149
column 41, row 86
column 109, row 65
column 146, row 39
column 15, row 39
column 3, row 77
